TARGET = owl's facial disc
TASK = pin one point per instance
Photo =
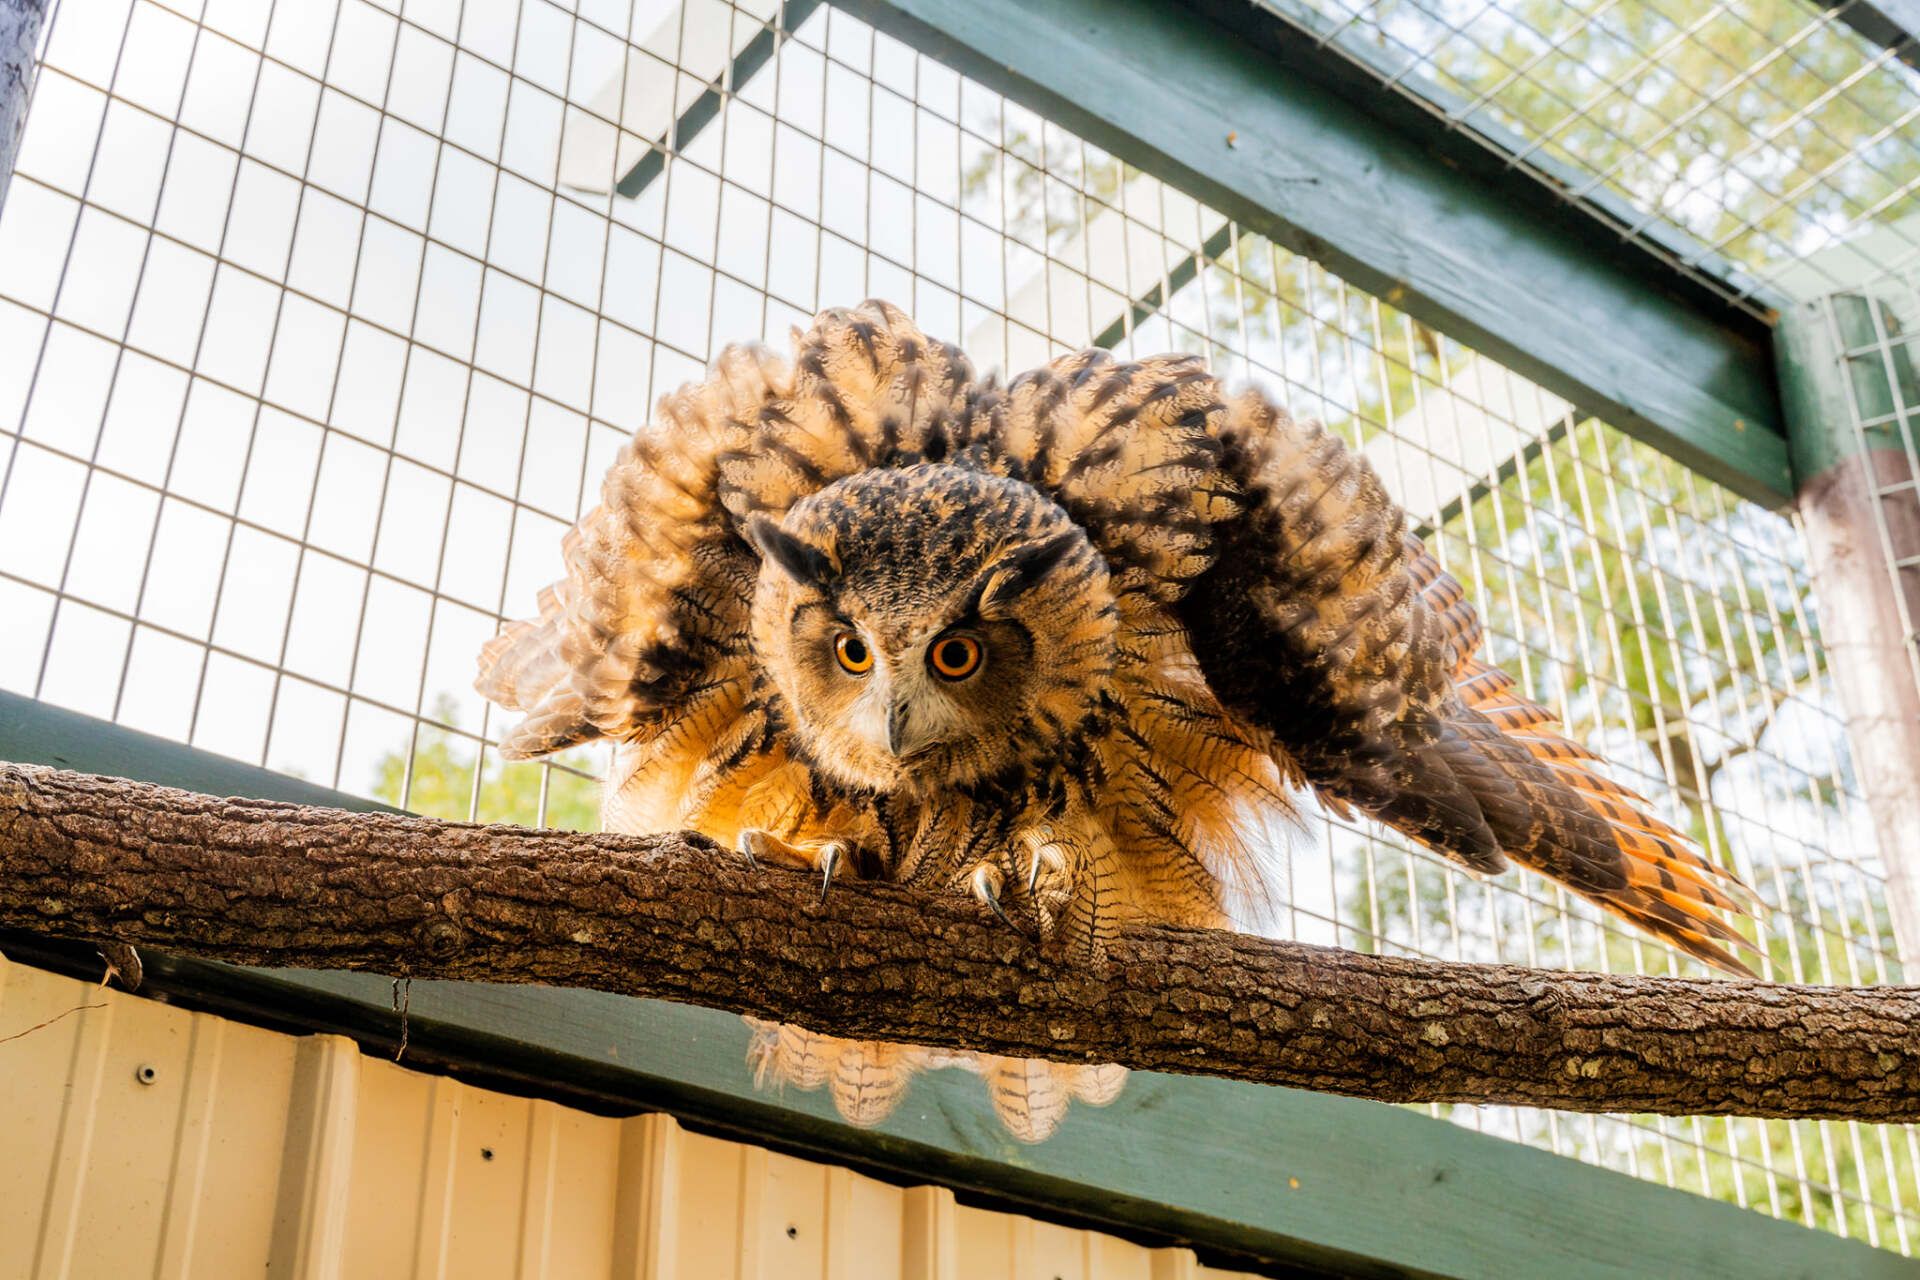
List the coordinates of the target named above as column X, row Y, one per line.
column 931, row 627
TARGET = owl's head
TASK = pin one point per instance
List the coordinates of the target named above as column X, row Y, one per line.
column 931, row 627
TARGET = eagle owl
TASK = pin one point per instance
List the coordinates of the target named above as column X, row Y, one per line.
column 1066, row 646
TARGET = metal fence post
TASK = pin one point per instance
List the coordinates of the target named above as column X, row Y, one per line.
column 19, row 36
column 1852, row 410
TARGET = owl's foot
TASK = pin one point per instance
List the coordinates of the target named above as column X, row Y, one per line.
column 824, row 856
column 763, row 846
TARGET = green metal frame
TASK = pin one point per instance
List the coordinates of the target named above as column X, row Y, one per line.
column 1292, row 1183
column 1244, row 107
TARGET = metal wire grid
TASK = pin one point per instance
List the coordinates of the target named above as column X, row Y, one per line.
column 1768, row 131
column 324, row 321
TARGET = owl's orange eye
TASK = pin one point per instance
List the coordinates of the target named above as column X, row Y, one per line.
column 955, row 657
column 854, row 656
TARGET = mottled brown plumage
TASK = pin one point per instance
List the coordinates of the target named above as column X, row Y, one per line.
column 1181, row 605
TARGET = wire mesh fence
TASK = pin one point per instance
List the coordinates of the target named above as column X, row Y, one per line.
column 1766, row 132
column 319, row 322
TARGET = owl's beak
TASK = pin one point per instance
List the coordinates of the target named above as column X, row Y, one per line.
column 887, row 718
column 898, row 739
column 907, row 734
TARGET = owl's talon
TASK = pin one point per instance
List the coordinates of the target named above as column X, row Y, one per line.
column 829, row 860
column 761, row 848
column 986, row 887
column 993, row 904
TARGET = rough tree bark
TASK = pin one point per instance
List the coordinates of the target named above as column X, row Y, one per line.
column 19, row 34
column 678, row 918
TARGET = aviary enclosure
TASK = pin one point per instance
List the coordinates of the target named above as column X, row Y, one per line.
column 319, row 323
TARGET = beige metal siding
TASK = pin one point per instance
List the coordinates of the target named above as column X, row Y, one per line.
column 138, row 1139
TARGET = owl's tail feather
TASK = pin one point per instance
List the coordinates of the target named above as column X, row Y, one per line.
column 1555, row 813
column 1594, row 834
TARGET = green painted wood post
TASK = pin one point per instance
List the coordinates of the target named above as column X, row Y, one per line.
column 19, row 35
column 1859, row 503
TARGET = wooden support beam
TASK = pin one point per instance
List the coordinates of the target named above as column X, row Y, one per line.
column 678, row 918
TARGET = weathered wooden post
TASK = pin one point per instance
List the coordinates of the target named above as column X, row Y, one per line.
column 19, row 36
column 1852, row 402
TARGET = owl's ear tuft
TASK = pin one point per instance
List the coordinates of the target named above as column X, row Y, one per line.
column 1014, row 573
column 798, row 559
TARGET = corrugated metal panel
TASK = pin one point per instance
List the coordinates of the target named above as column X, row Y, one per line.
column 138, row 1139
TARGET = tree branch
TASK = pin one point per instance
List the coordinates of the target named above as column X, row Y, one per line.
column 678, row 918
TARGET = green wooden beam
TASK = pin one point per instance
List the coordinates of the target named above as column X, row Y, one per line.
column 1246, row 110
column 1359, row 68
column 1294, row 1183
column 1810, row 388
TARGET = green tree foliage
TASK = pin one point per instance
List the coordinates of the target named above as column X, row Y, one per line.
column 442, row 783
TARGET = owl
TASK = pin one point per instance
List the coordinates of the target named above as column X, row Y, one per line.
column 1069, row 646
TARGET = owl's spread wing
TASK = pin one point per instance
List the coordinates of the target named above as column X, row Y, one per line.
column 653, row 612
column 1325, row 623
